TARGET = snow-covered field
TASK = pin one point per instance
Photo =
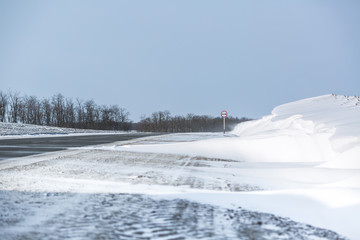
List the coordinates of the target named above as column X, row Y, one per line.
column 16, row 130
column 301, row 162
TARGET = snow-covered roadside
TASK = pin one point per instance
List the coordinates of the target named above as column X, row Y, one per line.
column 304, row 205
column 18, row 130
column 306, row 154
column 219, row 182
column 84, row 177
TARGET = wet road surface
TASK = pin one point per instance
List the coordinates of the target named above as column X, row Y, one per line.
column 20, row 147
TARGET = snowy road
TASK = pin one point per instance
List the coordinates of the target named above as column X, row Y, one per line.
column 19, row 147
column 40, row 215
column 108, row 192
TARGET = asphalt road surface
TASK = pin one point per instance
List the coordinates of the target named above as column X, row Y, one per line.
column 12, row 148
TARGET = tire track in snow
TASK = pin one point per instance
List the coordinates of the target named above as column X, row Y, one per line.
column 129, row 216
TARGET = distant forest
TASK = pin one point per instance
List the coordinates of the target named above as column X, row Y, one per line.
column 64, row 112
column 162, row 121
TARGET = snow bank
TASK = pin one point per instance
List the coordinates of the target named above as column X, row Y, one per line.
column 19, row 130
column 323, row 129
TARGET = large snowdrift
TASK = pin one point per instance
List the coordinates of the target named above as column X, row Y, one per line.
column 323, row 129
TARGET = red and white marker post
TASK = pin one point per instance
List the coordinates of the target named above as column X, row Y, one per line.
column 224, row 115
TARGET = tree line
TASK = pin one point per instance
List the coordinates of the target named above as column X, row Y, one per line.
column 59, row 111
column 162, row 121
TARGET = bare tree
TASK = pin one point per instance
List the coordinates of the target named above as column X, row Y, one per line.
column 3, row 106
column 58, row 110
column 39, row 114
column 29, row 113
column 80, row 114
column 47, row 111
column 106, row 118
column 15, row 107
column 69, row 113
column 97, row 117
column 121, row 117
column 90, row 113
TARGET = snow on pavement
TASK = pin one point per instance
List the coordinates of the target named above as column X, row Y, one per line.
column 61, row 192
column 38, row 215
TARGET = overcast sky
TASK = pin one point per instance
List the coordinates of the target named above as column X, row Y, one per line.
column 184, row 56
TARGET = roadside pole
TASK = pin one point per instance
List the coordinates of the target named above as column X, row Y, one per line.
column 224, row 115
column 224, row 124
